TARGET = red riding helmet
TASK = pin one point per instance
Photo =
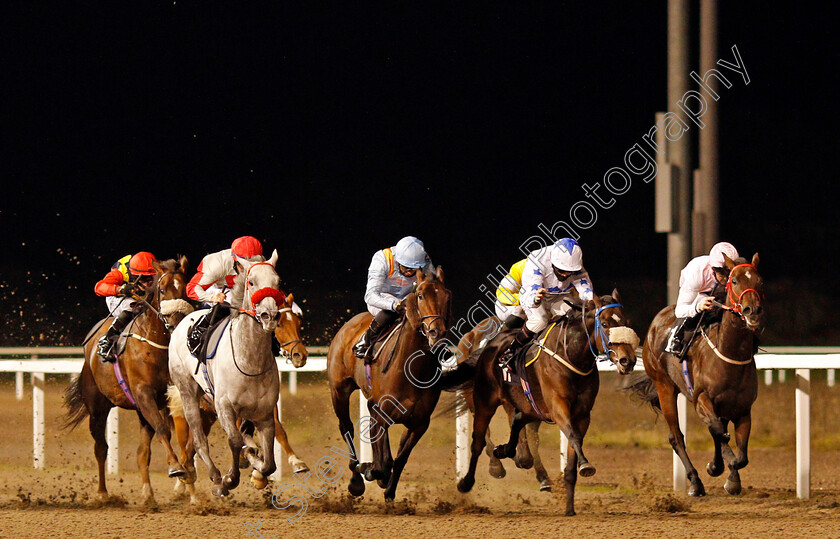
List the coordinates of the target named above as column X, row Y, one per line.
column 142, row 264
column 247, row 247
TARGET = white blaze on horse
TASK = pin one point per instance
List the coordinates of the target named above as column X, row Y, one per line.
column 241, row 377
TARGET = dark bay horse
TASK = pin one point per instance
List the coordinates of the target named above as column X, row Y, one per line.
column 144, row 368
column 564, row 382
column 722, row 369
column 527, row 450
column 293, row 349
column 406, row 393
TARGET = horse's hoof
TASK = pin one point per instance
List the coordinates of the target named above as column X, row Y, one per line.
column 501, row 452
column 586, row 470
column 300, row 467
column 177, row 471
column 230, row 482
column 180, row 487
column 466, row 484
column 712, row 470
column 356, row 486
column 258, row 480
column 732, row 487
column 496, row 469
column 696, row 490
column 570, row 512
column 220, row 491
column 103, row 496
column 545, row 485
column 525, row 463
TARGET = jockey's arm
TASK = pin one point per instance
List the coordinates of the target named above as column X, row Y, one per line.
column 209, row 271
column 583, row 285
column 532, row 282
column 110, row 284
column 377, row 274
column 688, row 300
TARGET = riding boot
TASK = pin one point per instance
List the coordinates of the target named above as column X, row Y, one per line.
column 197, row 340
column 523, row 338
column 364, row 348
column 106, row 342
column 513, row 322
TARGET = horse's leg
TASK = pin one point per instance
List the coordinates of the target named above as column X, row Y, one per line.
column 509, row 449
column 495, row 467
column 717, row 428
column 383, row 463
column 147, row 405
column 341, row 405
column 182, row 434
column 562, row 414
column 227, row 419
column 481, row 421
column 523, row 459
column 580, row 426
column 280, row 434
column 742, row 437
column 409, row 439
column 532, row 431
column 192, row 411
column 265, row 433
column 144, row 457
column 667, row 392
column 99, row 407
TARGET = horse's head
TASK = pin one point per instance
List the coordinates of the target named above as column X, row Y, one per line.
column 745, row 291
column 429, row 307
column 262, row 295
column 288, row 333
column 170, row 291
column 613, row 335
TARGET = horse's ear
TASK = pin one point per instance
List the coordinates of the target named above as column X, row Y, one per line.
column 440, row 274
column 616, row 296
column 755, row 260
column 290, row 299
column 420, row 276
column 597, row 301
column 411, row 311
column 157, row 266
column 183, row 263
column 273, row 259
column 728, row 262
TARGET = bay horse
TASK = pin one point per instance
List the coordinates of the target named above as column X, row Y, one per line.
column 527, row 450
column 241, row 378
column 720, row 361
column 143, row 367
column 563, row 383
column 406, row 393
column 293, row 350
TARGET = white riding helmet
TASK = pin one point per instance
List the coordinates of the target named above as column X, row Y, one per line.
column 409, row 252
column 566, row 255
column 717, row 252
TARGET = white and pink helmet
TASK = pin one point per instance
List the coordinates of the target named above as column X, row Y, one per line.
column 717, row 252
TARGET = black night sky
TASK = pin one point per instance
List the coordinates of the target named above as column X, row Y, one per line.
column 331, row 132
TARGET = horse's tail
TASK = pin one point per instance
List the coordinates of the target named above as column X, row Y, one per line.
column 641, row 387
column 462, row 376
column 74, row 401
column 173, row 399
column 452, row 406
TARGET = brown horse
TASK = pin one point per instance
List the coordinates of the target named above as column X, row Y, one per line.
column 144, row 368
column 721, row 365
column 293, row 349
column 406, row 393
column 564, row 383
column 527, row 450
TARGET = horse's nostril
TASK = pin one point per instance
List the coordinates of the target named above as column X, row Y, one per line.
column 624, row 362
column 759, row 310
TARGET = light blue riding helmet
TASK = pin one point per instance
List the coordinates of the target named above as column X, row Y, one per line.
column 409, row 252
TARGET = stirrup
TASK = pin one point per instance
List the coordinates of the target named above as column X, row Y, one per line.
column 103, row 349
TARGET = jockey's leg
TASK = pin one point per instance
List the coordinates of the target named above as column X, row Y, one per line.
column 676, row 340
column 106, row 342
column 364, row 348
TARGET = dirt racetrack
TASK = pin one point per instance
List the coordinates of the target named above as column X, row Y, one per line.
column 629, row 496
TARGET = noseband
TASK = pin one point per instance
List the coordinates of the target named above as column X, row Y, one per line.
column 265, row 292
column 736, row 301
column 424, row 326
column 601, row 335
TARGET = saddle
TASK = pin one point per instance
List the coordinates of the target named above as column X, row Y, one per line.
column 205, row 347
column 118, row 347
column 386, row 335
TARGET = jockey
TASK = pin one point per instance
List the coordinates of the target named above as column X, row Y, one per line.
column 213, row 282
column 548, row 276
column 129, row 277
column 507, row 305
column 391, row 277
column 702, row 282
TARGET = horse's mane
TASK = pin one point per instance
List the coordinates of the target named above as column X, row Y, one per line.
column 170, row 265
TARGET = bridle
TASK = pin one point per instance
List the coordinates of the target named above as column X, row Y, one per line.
column 737, row 306
column 424, row 326
column 262, row 293
column 603, row 334
column 287, row 354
